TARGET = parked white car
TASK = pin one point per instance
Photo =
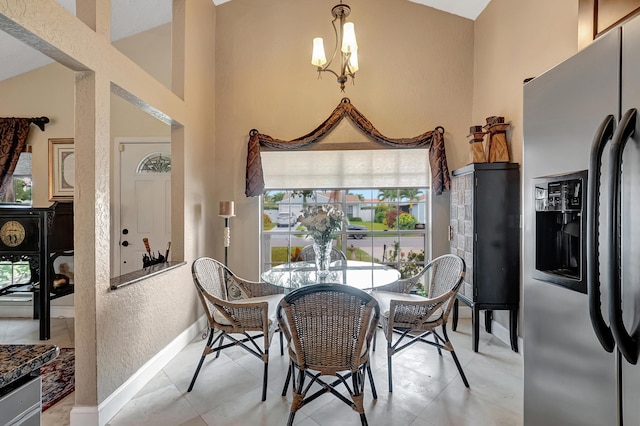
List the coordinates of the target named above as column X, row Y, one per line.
column 286, row 219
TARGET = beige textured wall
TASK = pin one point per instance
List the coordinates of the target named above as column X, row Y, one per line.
column 118, row 331
column 416, row 72
column 514, row 40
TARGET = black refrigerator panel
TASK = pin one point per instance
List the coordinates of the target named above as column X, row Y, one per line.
column 630, row 218
column 568, row 378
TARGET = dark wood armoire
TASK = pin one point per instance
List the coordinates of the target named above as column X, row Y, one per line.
column 485, row 232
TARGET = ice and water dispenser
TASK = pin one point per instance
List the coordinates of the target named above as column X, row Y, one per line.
column 560, row 234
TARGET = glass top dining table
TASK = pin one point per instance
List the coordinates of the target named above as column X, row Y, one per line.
column 363, row 275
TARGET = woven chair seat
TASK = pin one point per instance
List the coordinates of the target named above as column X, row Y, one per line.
column 384, row 300
column 272, row 300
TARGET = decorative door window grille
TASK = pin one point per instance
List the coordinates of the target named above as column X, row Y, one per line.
column 155, row 162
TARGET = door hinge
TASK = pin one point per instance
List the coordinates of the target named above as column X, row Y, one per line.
column 121, row 147
column 450, row 232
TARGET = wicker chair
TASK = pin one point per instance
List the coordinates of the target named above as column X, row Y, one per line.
column 405, row 285
column 413, row 317
column 308, row 255
column 235, row 307
column 328, row 328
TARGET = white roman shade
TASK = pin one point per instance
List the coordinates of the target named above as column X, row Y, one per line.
column 383, row 168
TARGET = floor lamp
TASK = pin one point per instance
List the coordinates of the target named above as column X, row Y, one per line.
column 227, row 211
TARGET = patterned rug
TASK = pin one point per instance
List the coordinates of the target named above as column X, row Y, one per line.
column 58, row 378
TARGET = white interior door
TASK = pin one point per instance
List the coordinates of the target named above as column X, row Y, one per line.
column 145, row 200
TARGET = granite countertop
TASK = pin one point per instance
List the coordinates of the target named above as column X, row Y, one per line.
column 142, row 274
column 17, row 361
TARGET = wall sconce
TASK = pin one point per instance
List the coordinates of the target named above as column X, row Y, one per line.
column 227, row 211
column 346, row 40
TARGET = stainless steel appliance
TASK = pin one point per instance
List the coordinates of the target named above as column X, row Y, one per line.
column 580, row 350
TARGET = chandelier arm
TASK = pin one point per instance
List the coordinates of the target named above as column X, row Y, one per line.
column 328, row 70
column 335, row 48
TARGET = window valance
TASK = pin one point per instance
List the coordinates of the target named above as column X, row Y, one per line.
column 433, row 139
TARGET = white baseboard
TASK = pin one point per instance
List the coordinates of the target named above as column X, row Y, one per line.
column 19, row 310
column 464, row 311
column 84, row 416
column 503, row 333
column 63, row 311
column 100, row 415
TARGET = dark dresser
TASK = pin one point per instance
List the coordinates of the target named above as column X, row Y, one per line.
column 37, row 235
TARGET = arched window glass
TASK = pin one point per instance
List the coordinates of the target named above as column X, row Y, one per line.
column 155, row 162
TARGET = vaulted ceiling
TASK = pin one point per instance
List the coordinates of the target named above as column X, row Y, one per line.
column 129, row 17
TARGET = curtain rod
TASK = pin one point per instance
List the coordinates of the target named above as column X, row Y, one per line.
column 39, row 121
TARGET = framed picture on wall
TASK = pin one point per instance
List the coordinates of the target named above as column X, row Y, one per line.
column 62, row 169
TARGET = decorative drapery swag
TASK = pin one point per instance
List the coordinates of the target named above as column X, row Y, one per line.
column 433, row 139
column 13, row 138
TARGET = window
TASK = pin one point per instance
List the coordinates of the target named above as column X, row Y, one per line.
column 19, row 190
column 156, row 162
column 12, row 273
column 390, row 226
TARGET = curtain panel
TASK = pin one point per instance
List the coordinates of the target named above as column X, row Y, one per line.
column 13, row 138
column 432, row 139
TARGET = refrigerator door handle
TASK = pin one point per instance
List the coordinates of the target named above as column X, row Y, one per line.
column 627, row 344
column 600, row 327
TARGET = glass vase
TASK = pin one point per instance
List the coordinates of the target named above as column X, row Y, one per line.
column 322, row 250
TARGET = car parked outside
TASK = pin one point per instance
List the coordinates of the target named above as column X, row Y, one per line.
column 286, row 219
column 356, row 235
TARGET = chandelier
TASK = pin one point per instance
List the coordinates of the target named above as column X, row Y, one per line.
column 345, row 40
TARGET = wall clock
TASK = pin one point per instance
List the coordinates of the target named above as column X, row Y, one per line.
column 12, row 233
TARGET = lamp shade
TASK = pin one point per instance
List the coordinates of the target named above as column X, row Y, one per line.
column 318, row 57
column 349, row 43
column 227, row 209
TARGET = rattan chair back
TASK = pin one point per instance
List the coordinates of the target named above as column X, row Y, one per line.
column 445, row 273
column 209, row 278
column 329, row 328
column 308, row 255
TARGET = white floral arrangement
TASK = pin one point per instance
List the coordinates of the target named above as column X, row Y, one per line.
column 321, row 222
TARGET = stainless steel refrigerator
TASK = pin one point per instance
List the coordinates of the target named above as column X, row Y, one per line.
column 581, row 237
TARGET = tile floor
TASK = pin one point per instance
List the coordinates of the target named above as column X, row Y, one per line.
column 428, row 390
